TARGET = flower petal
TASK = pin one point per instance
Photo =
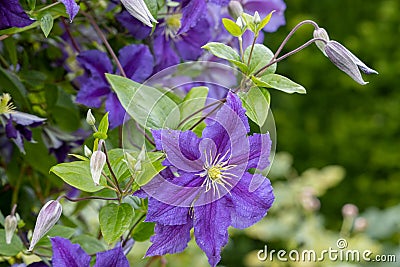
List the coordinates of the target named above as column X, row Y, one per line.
column 182, row 148
column 211, row 222
column 166, row 214
column 264, row 8
column 250, row 207
column 25, row 119
column 137, row 62
column 229, row 131
column 169, row 239
column 71, row 7
column 135, row 27
column 66, row 254
column 192, row 11
column 164, row 55
column 96, row 63
column 260, row 148
column 111, row 258
column 12, row 15
column 116, row 111
column 189, row 44
column 91, row 91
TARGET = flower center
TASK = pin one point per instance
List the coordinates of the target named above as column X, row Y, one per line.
column 173, row 24
column 217, row 172
column 5, row 105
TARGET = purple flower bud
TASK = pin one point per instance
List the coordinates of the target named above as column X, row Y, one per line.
column 10, row 225
column 97, row 162
column 47, row 218
column 347, row 61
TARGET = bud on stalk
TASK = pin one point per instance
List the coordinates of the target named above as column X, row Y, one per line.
column 47, row 218
column 10, row 225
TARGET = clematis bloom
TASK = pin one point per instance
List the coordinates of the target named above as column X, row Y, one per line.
column 211, row 188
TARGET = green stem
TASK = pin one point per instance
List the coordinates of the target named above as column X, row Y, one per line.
column 46, row 7
column 111, row 171
column 252, row 48
column 88, row 198
column 198, row 111
column 241, row 48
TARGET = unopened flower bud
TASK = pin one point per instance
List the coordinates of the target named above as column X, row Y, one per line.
column 90, row 119
column 350, row 210
column 10, row 225
column 235, row 9
column 97, row 162
column 240, row 23
column 323, row 34
column 47, row 218
column 88, row 153
column 347, row 61
column 257, row 18
column 360, row 224
column 139, row 10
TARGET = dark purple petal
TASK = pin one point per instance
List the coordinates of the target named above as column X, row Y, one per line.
column 111, row 258
column 164, row 55
column 250, row 207
column 115, row 109
column 19, row 142
column 260, row 149
column 211, row 223
column 264, row 8
column 91, row 91
column 96, row 63
column 166, row 214
column 25, row 132
column 71, row 7
column 230, row 128
column 12, row 15
column 192, row 11
column 182, row 148
column 137, row 62
column 11, row 132
column 169, row 239
column 66, row 254
column 38, row 264
column 189, row 44
column 134, row 26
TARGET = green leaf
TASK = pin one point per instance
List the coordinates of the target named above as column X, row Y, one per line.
column 9, row 83
column 11, row 48
column 143, row 231
column 256, row 102
column 77, row 174
column 116, row 158
column 194, row 101
column 152, row 6
column 225, row 52
column 31, row 4
column 115, row 220
column 150, row 166
column 12, row 249
column 57, row 230
column 46, row 24
column 89, row 244
column 232, row 27
column 260, row 57
column 147, row 105
column 103, row 126
column 265, row 21
column 1, row 218
column 279, row 82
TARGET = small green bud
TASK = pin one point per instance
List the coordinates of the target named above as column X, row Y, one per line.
column 240, row 23
column 87, row 152
column 256, row 18
column 99, row 135
column 235, row 9
column 90, row 119
column 10, row 225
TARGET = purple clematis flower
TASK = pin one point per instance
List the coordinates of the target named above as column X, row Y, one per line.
column 66, row 254
column 137, row 62
column 12, row 15
column 16, row 124
column 207, row 185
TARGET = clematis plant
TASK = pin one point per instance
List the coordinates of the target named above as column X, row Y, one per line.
column 165, row 155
